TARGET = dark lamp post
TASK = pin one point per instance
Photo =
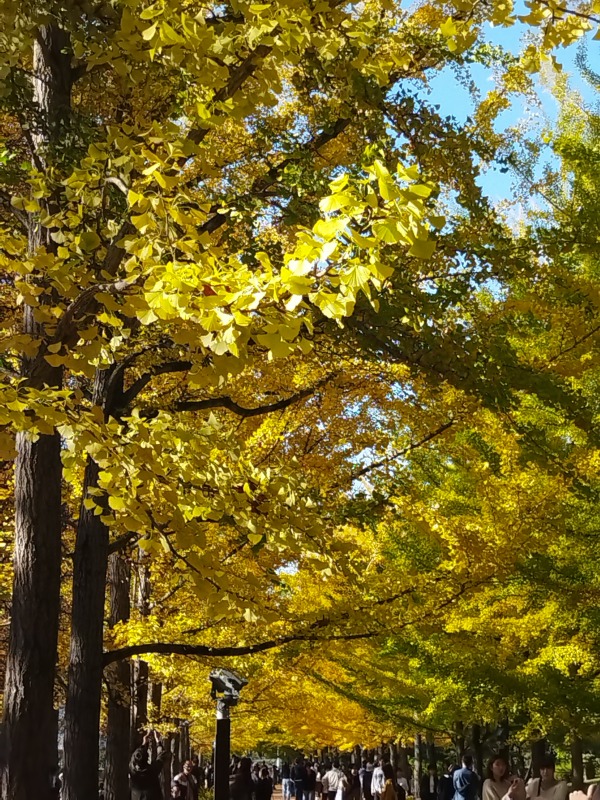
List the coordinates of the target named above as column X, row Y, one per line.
column 226, row 687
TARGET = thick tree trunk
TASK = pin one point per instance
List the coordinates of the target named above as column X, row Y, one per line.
column 29, row 719
column 116, row 781
column 577, row 761
column 82, row 712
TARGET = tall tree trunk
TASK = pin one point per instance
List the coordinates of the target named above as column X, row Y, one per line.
column 418, row 766
column 167, row 773
column 477, row 749
column 430, row 748
column 459, row 740
column 577, row 761
column 404, row 763
column 393, row 755
column 116, row 782
column 82, row 712
column 140, row 677
column 29, row 724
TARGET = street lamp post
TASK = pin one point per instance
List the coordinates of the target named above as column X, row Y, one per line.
column 226, row 687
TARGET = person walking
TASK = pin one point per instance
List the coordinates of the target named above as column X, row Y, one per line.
column 298, row 776
column 334, row 780
column 144, row 773
column 389, row 786
column 445, row 785
column 378, row 780
column 366, row 781
column 429, row 783
column 241, row 785
column 402, row 782
column 354, row 787
column 310, row 786
column 465, row 781
column 286, row 781
column 263, row 787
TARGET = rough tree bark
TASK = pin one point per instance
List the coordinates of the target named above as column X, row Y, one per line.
column 28, row 715
column 82, row 712
column 118, row 676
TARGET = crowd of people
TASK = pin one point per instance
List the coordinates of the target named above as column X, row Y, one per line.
column 306, row 779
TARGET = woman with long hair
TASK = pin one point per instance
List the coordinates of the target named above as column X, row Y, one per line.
column 497, row 780
column 389, row 787
column 547, row 787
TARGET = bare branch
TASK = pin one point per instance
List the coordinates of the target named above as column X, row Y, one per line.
column 398, row 454
column 236, row 408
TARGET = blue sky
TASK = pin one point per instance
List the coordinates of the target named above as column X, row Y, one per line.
column 455, row 100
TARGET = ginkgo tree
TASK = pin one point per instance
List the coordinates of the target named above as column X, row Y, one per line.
column 190, row 192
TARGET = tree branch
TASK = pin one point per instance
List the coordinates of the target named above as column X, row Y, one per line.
column 178, row 649
column 175, row 649
column 159, row 369
column 236, row 408
column 412, row 446
column 121, row 543
column 81, row 304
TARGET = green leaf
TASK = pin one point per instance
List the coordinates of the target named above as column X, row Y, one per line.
column 88, row 240
column 422, row 248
